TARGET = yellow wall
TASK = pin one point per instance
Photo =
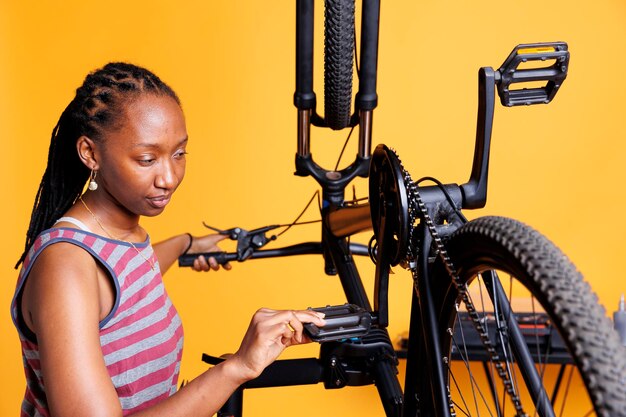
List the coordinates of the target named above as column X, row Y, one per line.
column 559, row 167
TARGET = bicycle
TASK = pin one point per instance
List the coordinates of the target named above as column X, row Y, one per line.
column 466, row 274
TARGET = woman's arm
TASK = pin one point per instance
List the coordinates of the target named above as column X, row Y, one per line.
column 269, row 333
column 169, row 250
column 62, row 308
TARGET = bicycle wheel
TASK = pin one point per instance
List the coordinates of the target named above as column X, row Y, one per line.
column 521, row 284
column 338, row 58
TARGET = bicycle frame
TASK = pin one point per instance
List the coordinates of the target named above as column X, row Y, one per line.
column 375, row 360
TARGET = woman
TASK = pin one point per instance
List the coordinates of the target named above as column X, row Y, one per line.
column 99, row 334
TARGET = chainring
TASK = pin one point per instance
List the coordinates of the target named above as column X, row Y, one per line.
column 389, row 202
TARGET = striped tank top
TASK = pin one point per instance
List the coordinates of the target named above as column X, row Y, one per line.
column 141, row 338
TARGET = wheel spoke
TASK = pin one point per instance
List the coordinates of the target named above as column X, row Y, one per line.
column 473, row 381
column 466, row 360
column 565, row 394
column 458, row 388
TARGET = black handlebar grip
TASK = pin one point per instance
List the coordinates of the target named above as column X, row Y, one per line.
column 220, row 257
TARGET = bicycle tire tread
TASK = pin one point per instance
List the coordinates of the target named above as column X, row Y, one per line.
column 594, row 344
column 338, row 58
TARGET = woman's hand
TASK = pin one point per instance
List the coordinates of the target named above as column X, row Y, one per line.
column 169, row 250
column 205, row 244
column 269, row 333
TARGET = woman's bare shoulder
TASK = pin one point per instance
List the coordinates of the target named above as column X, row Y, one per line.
column 60, row 277
column 63, row 258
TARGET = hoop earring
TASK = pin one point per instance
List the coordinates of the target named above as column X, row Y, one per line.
column 93, row 185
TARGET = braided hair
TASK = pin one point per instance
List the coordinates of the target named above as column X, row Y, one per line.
column 97, row 106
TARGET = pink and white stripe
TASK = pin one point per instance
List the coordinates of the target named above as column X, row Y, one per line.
column 142, row 337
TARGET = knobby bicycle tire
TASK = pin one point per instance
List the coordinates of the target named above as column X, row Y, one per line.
column 522, row 257
column 338, row 59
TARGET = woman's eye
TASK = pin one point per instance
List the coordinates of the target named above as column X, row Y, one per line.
column 146, row 162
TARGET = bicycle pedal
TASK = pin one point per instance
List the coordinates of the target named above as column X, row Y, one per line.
column 345, row 321
column 539, row 69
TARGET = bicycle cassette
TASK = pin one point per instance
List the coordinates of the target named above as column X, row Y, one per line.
column 389, row 203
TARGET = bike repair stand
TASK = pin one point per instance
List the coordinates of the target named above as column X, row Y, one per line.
column 351, row 351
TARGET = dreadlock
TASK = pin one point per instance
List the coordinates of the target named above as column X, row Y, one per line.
column 97, row 106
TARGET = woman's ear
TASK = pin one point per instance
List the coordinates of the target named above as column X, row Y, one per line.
column 87, row 152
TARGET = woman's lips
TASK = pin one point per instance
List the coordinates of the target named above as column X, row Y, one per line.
column 159, row 202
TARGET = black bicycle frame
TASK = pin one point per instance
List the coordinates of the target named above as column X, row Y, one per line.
column 339, row 221
column 336, row 249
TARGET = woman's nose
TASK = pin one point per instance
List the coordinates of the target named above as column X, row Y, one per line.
column 166, row 177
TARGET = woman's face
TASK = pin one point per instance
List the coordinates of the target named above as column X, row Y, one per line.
column 142, row 162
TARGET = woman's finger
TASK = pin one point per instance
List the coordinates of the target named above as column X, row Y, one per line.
column 310, row 316
column 200, row 264
column 295, row 320
column 296, row 326
column 218, row 237
column 288, row 334
column 213, row 264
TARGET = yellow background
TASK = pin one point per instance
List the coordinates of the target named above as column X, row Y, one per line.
column 560, row 168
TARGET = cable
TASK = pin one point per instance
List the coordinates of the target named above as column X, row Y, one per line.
column 344, row 148
column 445, row 192
column 356, row 200
column 372, row 247
column 295, row 222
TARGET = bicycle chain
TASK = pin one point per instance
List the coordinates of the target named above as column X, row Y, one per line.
column 416, row 209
